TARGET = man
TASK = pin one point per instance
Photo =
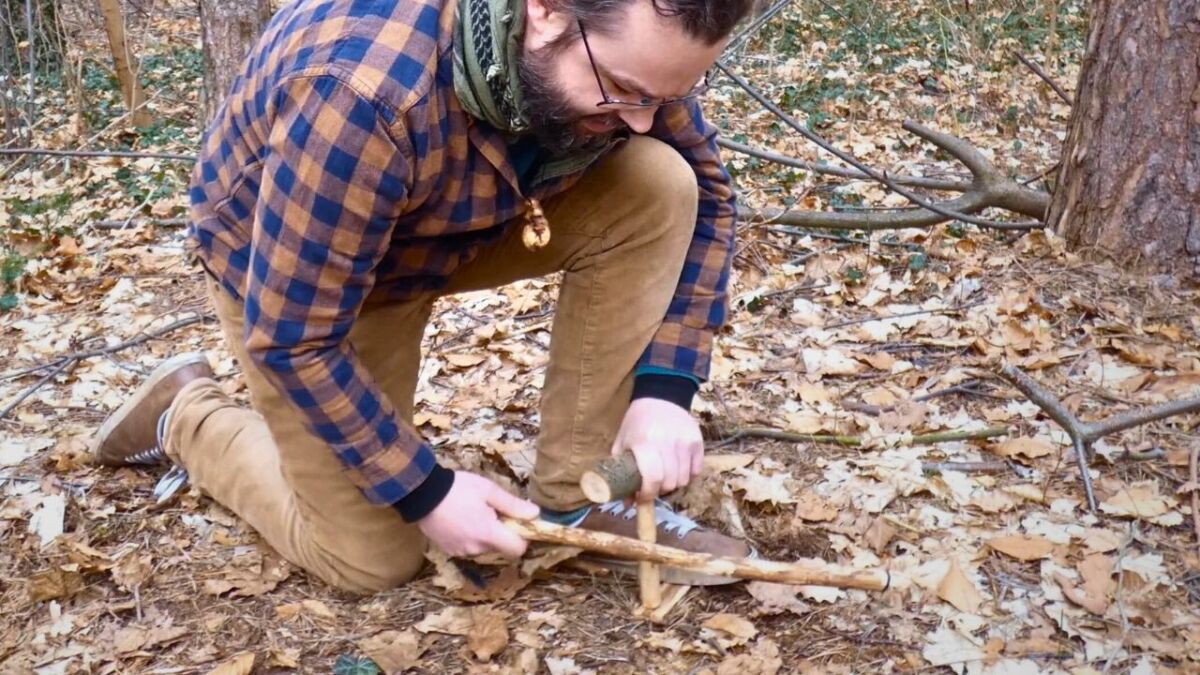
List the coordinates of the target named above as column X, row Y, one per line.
column 377, row 154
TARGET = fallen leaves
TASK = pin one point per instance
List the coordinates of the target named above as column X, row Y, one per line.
column 1143, row 501
column 1022, row 547
column 958, row 589
column 1023, row 448
column 485, row 627
column 242, row 664
column 394, row 651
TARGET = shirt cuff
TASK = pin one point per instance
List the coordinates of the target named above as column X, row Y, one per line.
column 677, row 389
column 418, row 503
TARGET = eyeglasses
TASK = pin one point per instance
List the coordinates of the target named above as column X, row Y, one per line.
column 644, row 101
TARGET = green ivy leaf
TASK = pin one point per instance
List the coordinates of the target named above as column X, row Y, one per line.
column 354, row 665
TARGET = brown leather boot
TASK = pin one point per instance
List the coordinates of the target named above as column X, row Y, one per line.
column 131, row 434
column 674, row 529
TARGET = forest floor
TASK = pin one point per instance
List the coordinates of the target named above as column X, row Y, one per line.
column 999, row 570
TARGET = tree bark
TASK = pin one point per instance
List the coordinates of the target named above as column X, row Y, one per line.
column 1129, row 185
column 131, row 89
column 228, row 31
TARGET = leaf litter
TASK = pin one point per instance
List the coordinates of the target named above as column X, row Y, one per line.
column 993, row 572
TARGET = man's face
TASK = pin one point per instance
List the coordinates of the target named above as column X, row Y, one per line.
column 640, row 55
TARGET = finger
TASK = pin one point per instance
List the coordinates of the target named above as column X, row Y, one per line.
column 650, row 466
column 697, row 456
column 683, row 455
column 507, row 542
column 510, row 505
column 670, row 467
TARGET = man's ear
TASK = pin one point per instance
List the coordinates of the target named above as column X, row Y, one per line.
column 544, row 22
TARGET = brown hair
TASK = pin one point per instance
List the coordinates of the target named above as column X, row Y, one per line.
column 707, row 20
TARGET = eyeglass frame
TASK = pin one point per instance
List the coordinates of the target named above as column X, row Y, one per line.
column 646, row 102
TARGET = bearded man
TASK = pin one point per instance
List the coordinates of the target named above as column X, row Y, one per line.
column 375, row 155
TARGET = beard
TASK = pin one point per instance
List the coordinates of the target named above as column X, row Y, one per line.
column 553, row 121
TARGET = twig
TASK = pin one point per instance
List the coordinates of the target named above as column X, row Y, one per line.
column 63, row 365
column 759, row 22
column 783, row 229
column 815, row 167
column 97, row 153
column 157, row 222
column 971, row 157
column 1193, row 465
column 965, row 467
column 132, row 342
column 1037, row 70
column 853, row 322
column 854, row 441
column 950, row 436
column 1083, row 434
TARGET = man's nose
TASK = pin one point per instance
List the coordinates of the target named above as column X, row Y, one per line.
column 639, row 119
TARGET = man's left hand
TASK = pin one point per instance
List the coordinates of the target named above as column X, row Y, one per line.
column 665, row 439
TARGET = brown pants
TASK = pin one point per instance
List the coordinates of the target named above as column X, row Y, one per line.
column 620, row 235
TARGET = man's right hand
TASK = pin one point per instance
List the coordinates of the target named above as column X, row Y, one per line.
column 466, row 524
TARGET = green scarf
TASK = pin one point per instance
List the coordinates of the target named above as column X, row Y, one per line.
column 487, row 43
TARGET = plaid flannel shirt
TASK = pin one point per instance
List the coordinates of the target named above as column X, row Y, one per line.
column 342, row 170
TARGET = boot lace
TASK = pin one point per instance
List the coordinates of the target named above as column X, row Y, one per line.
column 664, row 517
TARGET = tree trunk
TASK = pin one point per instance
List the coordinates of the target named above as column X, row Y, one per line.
column 1129, row 186
column 114, row 25
column 228, row 29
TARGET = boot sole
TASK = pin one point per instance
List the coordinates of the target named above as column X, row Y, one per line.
column 160, row 373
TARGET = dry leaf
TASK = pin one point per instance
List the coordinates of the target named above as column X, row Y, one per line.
column 762, row 659
column 1078, row 596
column 879, row 535
column 760, row 488
column 814, row 508
column 735, row 625
column 54, row 583
column 488, row 635
column 717, row 464
column 241, row 664
column 1022, row 547
column 829, row 361
column 957, row 589
column 1024, row 447
column 132, row 571
column 1142, row 500
column 284, row 658
column 129, row 639
column 1173, row 387
column 317, row 609
column 1099, row 540
column 465, row 360
column 776, row 598
column 451, row 621
column 947, row 646
column 393, row 651
column 1096, row 571
column 287, row 611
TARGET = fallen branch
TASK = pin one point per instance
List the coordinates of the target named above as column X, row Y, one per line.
column 825, row 169
column 965, row 467
column 29, row 391
column 967, row 387
column 987, row 180
column 1037, row 70
column 1193, row 461
column 157, row 222
column 132, row 342
column 1083, row 434
column 806, row 572
column 98, row 153
column 853, row 322
column 619, row 478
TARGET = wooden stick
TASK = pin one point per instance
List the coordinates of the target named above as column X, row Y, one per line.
column 804, row 572
column 648, row 583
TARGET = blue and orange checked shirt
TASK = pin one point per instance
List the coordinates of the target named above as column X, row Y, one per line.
column 341, row 169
